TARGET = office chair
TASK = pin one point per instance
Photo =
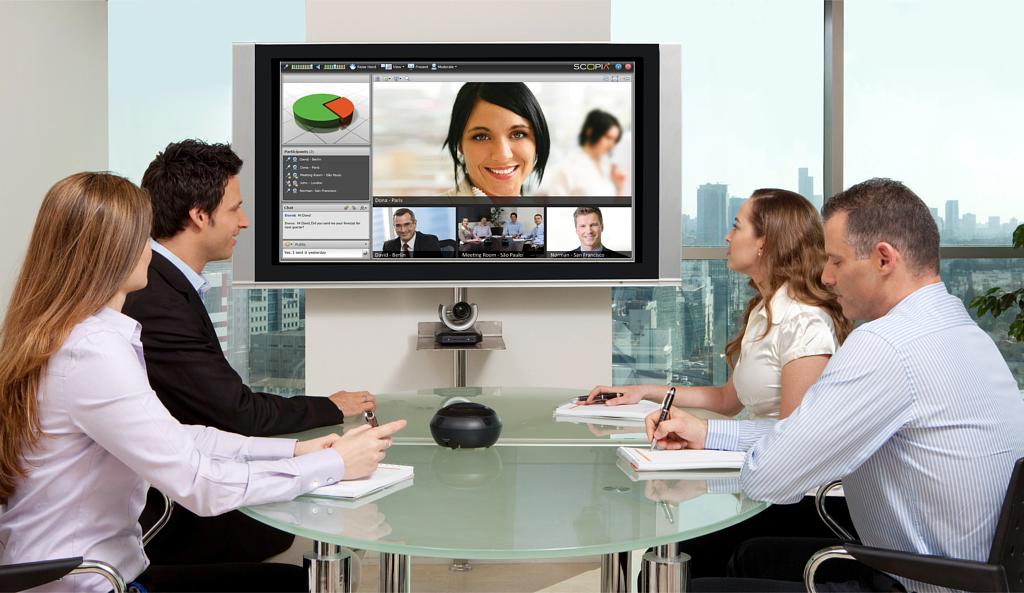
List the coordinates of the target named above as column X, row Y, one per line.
column 18, row 577
column 448, row 247
column 1003, row 572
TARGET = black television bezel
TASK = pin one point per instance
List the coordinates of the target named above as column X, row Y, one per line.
column 268, row 267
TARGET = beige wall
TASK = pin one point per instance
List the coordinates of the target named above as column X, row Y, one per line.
column 458, row 20
column 365, row 338
column 53, row 96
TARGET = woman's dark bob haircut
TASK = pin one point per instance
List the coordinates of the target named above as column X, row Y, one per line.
column 514, row 96
column 596, row 125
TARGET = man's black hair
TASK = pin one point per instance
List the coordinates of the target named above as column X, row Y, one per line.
column 186, row 175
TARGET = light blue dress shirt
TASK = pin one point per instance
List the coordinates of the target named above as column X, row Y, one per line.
column 920, row 417
column 106, row 437
column 512, row 228
column 197, row 281
column 536, row 235
column 482, row 231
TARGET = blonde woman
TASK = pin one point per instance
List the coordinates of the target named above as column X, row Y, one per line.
column 82, row 435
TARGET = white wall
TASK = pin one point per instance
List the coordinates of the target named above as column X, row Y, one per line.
column 365, row 338
column 54, row 101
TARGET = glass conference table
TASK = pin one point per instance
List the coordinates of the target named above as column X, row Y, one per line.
column 547, row 489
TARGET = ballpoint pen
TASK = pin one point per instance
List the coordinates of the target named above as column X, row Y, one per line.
column 664, row 413
column 600, row 397
column 668, row 511
column 371, row 418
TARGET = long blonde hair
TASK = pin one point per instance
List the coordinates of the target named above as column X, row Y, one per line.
column 793, row 252
column 89, row 234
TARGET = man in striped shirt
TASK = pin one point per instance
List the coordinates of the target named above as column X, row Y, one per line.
column 917, row 412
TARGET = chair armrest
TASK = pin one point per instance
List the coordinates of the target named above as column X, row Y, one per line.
column 164, row 518
column 819, row 504
column 966, row 575
column 18, row 577
column 104, row 570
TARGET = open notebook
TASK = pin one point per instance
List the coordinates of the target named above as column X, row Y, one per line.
column 385, row 476
column 632, row 412
column 645, row 460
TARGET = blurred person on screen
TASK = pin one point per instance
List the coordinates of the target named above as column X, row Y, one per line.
column 590, row 171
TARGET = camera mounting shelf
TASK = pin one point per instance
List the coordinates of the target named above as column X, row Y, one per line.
column 490, row 331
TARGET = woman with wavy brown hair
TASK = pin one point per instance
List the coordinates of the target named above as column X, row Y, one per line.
column 791, row 327
column 83, row 435
column 792, row 324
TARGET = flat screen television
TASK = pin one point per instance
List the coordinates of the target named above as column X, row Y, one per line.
column 458, row 164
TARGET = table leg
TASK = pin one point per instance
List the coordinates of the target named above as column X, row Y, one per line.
column 615, row 572
column 665, row 570
column 328, row 568
column 395, row 573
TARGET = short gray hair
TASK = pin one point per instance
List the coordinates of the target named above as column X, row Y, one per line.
column 403, row 212
column 885, row 210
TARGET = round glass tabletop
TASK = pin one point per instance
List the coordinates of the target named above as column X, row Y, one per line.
column 515, row 501
column 527, row 417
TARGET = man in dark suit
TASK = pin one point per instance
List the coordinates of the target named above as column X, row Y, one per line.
column 410, row 242
column 196, row 215
column 589, row 226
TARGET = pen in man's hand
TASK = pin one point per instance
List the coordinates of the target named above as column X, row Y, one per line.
column 600, row 397
column 371, row 418
column 671, row 395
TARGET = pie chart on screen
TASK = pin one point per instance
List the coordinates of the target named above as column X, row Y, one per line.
column 323, row 112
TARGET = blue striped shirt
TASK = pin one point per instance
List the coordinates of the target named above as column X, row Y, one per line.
column 920, row 417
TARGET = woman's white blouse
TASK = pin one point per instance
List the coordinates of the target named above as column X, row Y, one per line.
column 798, row 330
column 106, row 437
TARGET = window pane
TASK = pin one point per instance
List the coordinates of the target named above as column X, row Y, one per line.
column 678, row 334
column 163, row 88
column 752, row 95
column 933, row 96
column 968, row 278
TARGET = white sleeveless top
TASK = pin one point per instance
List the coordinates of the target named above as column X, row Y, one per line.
column 798, row 330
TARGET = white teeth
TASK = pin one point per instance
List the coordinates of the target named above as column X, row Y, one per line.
column 507, row 171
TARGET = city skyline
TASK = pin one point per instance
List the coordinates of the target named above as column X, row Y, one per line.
column 942, row 117
column 717, row 206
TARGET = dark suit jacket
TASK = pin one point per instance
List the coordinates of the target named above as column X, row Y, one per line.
column 426, row 246
column 189, row 373
column 607, row 252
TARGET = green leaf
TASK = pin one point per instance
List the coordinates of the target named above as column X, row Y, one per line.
column 1016, row 330
column 1018, row 236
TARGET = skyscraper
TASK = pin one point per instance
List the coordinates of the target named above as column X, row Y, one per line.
column 805, row 183
column 734, row 209
column 967, row 226
column 711, row 213
column 952, row 220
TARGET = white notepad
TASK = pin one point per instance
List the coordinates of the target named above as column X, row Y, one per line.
column 636, row 412
column 679, row 474
column 645, row 460
column 386, row 475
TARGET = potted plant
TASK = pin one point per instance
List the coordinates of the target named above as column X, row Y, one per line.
column 997, row 300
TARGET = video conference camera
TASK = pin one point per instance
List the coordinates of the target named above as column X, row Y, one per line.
column 459, row 319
